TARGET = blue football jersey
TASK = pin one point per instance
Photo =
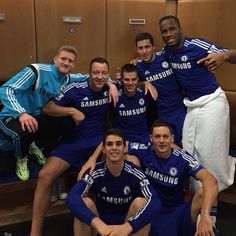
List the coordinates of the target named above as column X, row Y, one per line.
column 168, row 176
column 130, row 116
column 114, row 194
column 160, row 74
column 194, row 78
column 94, row 106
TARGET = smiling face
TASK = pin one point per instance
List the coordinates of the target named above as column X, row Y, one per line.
column 113, row 148
column 162, row 139
column 171, row 33
column 65, row 61
column 145, row 50
column 98, row 74
column 130, row 82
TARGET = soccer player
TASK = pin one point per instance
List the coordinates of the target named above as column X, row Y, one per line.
column 168, row 170
column 154, row 67
column 206, row 127
column 124, row 202
column 130, row 113
column 87, row 104
column 24, row 95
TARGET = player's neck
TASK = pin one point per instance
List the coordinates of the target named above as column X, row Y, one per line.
column 163, row 155
column 115, row 168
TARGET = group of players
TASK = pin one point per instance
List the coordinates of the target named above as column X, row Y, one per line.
column 127, row 200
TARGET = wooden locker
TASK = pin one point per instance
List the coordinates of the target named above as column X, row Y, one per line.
column 120, row 34
column 213, row 20
column 88, row 36
column 17, row 41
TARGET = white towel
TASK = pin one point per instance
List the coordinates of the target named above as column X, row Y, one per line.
column 206, row 136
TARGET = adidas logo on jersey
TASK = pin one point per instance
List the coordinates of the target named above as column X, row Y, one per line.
column 122, row 105
column 86, row 99
column 104, row 190
column 147, row 72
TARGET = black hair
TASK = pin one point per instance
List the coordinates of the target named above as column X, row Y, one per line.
column 170, row 17
column 98, row 60
column 144, row 36
column 128, row 68
column 114, row 131
column 159, row 123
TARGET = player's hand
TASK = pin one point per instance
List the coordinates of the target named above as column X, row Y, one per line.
column 121, row 230
column 205, row 227
column 102, row 228
column 90, row 164
column 113, row 93
column 148, row 87
column 28, row 122
column 213, row 61
column 77, row 116
column 118, row 75
column 134, row 61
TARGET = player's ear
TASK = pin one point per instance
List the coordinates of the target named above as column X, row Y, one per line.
column 103, row 150
column 173, row 138
column 151, row 138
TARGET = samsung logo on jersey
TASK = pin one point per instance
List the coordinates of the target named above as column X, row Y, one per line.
column 117, row 200
column 94, row 103
column 161, row 75
column 161, row 177
column 133, row 112
column 184, row 65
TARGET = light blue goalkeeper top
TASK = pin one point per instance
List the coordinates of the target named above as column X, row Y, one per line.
column 29, row 92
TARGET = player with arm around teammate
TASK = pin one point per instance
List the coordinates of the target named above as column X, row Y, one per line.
column 124, row 203
column 206, row 124
column 87, row 104
column 167, row 170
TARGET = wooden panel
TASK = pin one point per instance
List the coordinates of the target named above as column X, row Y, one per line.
column 88, row 37
column 120, row 34
column 213, row 20
column 17, row 41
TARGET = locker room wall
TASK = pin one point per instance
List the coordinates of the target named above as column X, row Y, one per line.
column 215, row 21
column 16, row 29
column 88, row 37
column 120, row 34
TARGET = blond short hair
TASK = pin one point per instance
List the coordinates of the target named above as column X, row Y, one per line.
column 68, row 48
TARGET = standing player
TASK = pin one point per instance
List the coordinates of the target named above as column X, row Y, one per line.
column 206, row 127
column 124, row 200
column 155, row 68
column 168, row 170
column 87, row 104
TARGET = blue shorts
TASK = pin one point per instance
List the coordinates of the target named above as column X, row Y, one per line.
column 174, row 221
column 77, row 151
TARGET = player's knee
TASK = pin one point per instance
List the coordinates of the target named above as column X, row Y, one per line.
column 46, row 177
column 137, row 204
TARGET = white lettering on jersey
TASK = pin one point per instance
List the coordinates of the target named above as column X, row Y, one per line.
column 160, row 75
column 94, row 103
column 161, row 177
column 133, row 112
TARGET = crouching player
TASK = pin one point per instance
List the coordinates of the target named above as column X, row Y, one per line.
column 167, row 170
column 124, row 203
